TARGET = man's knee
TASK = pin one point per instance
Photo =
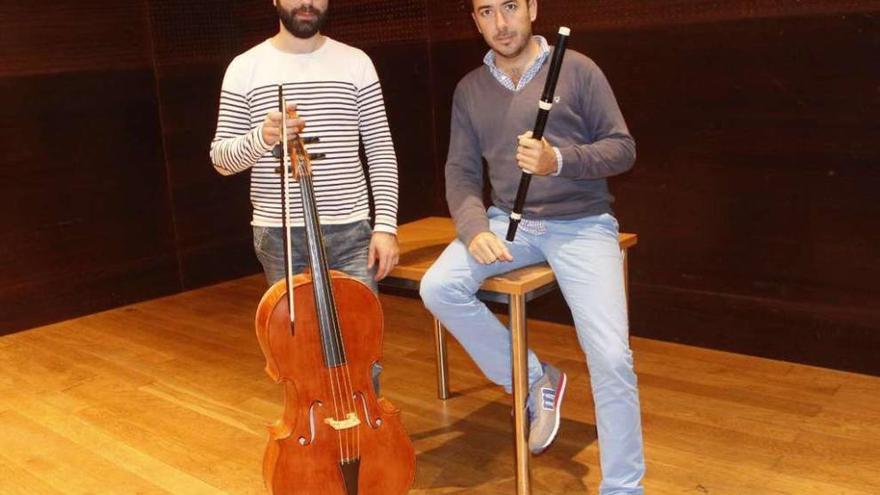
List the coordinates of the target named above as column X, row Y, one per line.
column 431, row 289
column 613, row 364
column 439, row 289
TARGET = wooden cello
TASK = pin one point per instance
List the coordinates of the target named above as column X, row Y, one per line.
column 335, row 436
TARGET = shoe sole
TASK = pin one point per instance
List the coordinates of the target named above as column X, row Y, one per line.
column 559, row 394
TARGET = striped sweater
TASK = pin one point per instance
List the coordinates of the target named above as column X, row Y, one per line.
column 338, row 94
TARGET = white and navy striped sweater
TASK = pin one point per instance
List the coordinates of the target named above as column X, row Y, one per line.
column 338, row 94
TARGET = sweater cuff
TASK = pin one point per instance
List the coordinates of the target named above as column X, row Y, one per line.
column 559, row 161
column 257, row 136
column 572, row 168
column 468, row 230
column 385, row 225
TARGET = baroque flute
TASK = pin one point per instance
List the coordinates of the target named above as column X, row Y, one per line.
column 544, row 107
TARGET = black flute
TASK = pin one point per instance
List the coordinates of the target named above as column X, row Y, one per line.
column 544, row 107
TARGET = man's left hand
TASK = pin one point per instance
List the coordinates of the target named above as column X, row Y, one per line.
column 535, row 157
column 384, row 251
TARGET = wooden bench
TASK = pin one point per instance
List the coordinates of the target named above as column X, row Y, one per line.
column 421, row 242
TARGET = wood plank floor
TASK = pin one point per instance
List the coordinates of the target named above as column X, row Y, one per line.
column 170, row 397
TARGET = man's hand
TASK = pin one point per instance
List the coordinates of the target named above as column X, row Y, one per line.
column 271, row 128
column 535, row 157
column 384, row 251
column 487, row 248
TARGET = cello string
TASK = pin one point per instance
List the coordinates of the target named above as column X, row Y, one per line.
column 343, row 446
column 338, row 388
column 344, row 381
column 287, row 165
column 347, row 373
column 338, row 399
column 340, row 342
column 340, row 347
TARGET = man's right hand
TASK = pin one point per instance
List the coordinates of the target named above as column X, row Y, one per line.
column 487, row 248
column 271, row 130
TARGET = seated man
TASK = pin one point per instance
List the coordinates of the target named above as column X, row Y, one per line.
column 567, row 222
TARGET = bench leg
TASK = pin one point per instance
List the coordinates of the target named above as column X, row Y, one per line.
column 519, row 350
column 442, row 364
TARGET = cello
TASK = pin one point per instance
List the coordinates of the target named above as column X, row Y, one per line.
column 335, row 436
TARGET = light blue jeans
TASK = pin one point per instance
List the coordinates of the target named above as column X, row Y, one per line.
column 586, row 259
column 347, row 248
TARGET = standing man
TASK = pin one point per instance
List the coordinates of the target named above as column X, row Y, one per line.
column 335, row 89
column 567, row 221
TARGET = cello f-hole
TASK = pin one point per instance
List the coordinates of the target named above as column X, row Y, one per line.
column 302, row 440
column 373, row 424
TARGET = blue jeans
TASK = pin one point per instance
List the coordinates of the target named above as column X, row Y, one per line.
column 585, row 257
column 347, row 248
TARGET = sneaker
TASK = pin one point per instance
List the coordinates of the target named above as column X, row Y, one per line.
column 545, row 400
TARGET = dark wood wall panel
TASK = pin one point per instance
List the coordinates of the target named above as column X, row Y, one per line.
column 404, row 69
column 829, row 335
column 192, row 32
column 72, row 35
column 211, row 212
column 765, row 142
column 193, row 44
column 371, row 22
column 86, row 222
column 450, row 20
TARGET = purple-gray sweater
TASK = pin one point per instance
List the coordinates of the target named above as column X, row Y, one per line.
column 585, row 124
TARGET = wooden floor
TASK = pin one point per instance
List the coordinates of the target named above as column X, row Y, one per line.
column 170, row 397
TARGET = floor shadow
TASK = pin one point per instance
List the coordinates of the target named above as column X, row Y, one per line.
column 478, row 450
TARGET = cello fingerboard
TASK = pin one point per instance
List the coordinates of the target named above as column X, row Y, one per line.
column 325, row 304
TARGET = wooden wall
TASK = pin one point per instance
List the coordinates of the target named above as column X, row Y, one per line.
column 87, row 218
column 754, row 192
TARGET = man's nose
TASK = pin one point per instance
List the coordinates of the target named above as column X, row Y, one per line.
column 500, row 20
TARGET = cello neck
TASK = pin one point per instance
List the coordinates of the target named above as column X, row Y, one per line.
column 325, row 304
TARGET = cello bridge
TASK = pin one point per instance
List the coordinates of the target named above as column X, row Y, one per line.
column 350, row 421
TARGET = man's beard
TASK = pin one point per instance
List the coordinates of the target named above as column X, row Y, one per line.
column 511, row 51
column 300, row 28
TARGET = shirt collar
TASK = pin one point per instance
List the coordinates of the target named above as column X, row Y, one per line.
column 528, row 75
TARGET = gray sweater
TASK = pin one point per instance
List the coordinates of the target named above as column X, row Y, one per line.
column 585, row 124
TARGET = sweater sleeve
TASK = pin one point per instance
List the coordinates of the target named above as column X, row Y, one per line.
column 464, row 173
column 379, row 149
column 612, row 149
column 236, row 146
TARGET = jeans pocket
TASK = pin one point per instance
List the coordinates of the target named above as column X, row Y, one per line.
column 268, row 243
column 608, row 220
column 495, row 212
column 259, row 236
column 608, row 224
column 366, row 232
column 352, row 243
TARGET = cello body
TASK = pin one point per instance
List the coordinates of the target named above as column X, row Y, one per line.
column 386, row 456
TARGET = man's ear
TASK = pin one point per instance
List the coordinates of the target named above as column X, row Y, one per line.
column 533, row 9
